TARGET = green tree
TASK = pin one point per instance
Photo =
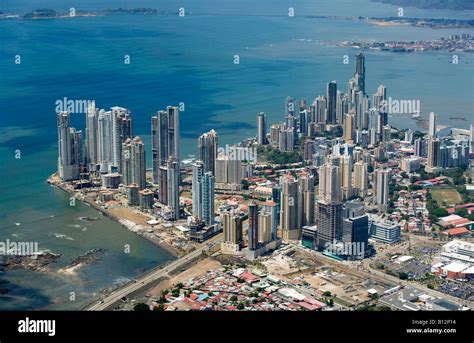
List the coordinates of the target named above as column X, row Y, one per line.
column 141, row 307
column 403, row 276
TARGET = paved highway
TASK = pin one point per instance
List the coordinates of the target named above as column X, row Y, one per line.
column 154, row 275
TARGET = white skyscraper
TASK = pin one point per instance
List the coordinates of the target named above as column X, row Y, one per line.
column 198, row 172
column 69, row 148
column 432, row 127
column 91, row 137
column 208, row 198
column 207, row 150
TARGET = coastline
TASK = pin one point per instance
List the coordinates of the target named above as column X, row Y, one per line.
column 121, row 221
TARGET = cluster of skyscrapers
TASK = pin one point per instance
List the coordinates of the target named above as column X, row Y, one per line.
column 116, row 157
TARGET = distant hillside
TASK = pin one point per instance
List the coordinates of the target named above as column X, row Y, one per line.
column 437, row 4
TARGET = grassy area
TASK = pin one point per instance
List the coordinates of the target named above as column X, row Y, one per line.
column 450, row 196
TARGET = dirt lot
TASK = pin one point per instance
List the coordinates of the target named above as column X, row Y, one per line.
column 448, row 195
column 200, row 268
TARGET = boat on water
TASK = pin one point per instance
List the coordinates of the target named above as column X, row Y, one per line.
column 416, row 115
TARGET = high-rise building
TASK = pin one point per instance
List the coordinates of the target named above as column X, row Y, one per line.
column 262, row 128
column 329, row 224
column 253, row 226
column 69, row 149
column 91, row 137
column 419, row 147
column 433, row 159
column 360, row 179
column 272, row 208
column 330, row 183
column 329, row 204
column 104, row 140
column 114, row 127
column 121, row 131
column 306, row 208
column 382, row 188
column 274, row 134
column 289, row 208
column 432, row 125
column 133, row 162
column 359, row 75
column 471, row 139
column 346, row 176
column 286, row 139
column 331, row 102
column 207, row 185
column 379, row 99
column 233, row 232
column 165, row 139
column 264, row 227
column 349, row 127
column 320, row 109
column 198, row 172
column 207, row 150
column 356, row 235
column 172, row 167
column 228, row 172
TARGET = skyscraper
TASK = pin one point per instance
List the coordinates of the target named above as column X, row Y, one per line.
column 471, row 139
column 165, row 139
column 360, row 179
column 272, row 208
column 69, row 148
column 379, row 99
column 198, row 172
column 306, row 209
column 346, row 176
column 172, row 167
column 121, row 131
column 349, row 127
column 321, row 108
column 432, row 127
column 233, row 232
column 382, row 190
column 104, row 141
column 329, row 205
column 91, row 137
column 114, row 127
column 359, row 75
column 253, row 226
column 262, row 129
column 331, row 102
column 207, row 185
column 133, row 162
column 207, row 150
column 433, row 159
column 289, row 208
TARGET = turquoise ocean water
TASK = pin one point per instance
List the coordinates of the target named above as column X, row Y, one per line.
column 174, row 60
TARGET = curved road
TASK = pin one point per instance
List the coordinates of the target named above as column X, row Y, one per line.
column 154, row 275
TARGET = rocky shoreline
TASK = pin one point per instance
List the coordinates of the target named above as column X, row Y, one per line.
column 124, row 223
